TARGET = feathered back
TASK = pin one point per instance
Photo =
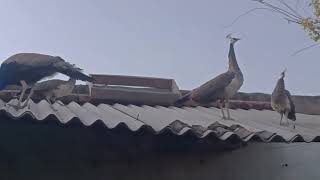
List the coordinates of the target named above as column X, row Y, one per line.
column 209, row 91
column 38, row 66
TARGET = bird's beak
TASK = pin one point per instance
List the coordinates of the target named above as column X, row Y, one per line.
column 236, row 39
column 284, row 71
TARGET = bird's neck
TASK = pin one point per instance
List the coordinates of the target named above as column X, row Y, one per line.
column 233, row 65
column 280, row 85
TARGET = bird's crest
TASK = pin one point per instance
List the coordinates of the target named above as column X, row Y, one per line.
column 232, row 39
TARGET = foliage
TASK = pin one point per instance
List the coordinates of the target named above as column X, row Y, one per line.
column 309, row 20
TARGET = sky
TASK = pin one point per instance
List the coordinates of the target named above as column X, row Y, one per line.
column 179, row 39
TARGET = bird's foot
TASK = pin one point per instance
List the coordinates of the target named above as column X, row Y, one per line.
column 228, row 118
column 54, row 105
column 17, row 106
column 60, row 103
column 285, row 124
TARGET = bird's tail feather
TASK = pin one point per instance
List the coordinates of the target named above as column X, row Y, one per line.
column 72, row 71
column 180, row 102
column 292, row 115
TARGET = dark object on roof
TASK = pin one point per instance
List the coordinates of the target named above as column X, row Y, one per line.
column 221, row 88
column 28, row 68
column 281, row 101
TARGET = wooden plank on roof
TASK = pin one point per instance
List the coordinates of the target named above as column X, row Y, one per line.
column 158, row 83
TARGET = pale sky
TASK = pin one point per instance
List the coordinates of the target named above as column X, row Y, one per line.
column 179, row 39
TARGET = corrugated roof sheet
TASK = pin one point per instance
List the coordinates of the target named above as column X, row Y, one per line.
column 248, row 125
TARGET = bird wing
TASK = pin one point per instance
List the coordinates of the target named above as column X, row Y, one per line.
column 46, row 63
column 209, row 91
column 180, row 102
column 291, row 114
column 214, row 88
column 32, row 59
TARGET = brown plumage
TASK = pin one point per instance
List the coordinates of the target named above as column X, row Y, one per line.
column 210, row 91
column 281, row 101
column 29, row 68
column 220, row 88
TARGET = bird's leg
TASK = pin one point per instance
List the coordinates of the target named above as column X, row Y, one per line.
column 29, row 97
column 227, row 107
column 48, row 99
column 54, row 100
column 221, row 108
column 287, row 118
column 60, row 103
column 24, row 88
column 281, row 119
column 51, row 101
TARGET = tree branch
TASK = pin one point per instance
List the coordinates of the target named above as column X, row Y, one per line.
column 305, row 48
column 244, row 14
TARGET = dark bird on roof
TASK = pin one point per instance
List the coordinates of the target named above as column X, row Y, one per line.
column 29, row 68
column 221, row 88
column 281, row 101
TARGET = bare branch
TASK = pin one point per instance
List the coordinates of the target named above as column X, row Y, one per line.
column 281, row 11
column 289, row 18
column 246, row 13
column 305, row 48
column 293, row 21
column 309, row 20
column 289, row 7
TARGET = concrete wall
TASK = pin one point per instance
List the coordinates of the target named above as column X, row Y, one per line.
column 304, row 104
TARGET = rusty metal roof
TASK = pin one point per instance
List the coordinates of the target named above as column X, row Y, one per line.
column 257, row 125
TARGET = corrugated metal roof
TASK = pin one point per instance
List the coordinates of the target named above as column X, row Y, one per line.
column 248, row 125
